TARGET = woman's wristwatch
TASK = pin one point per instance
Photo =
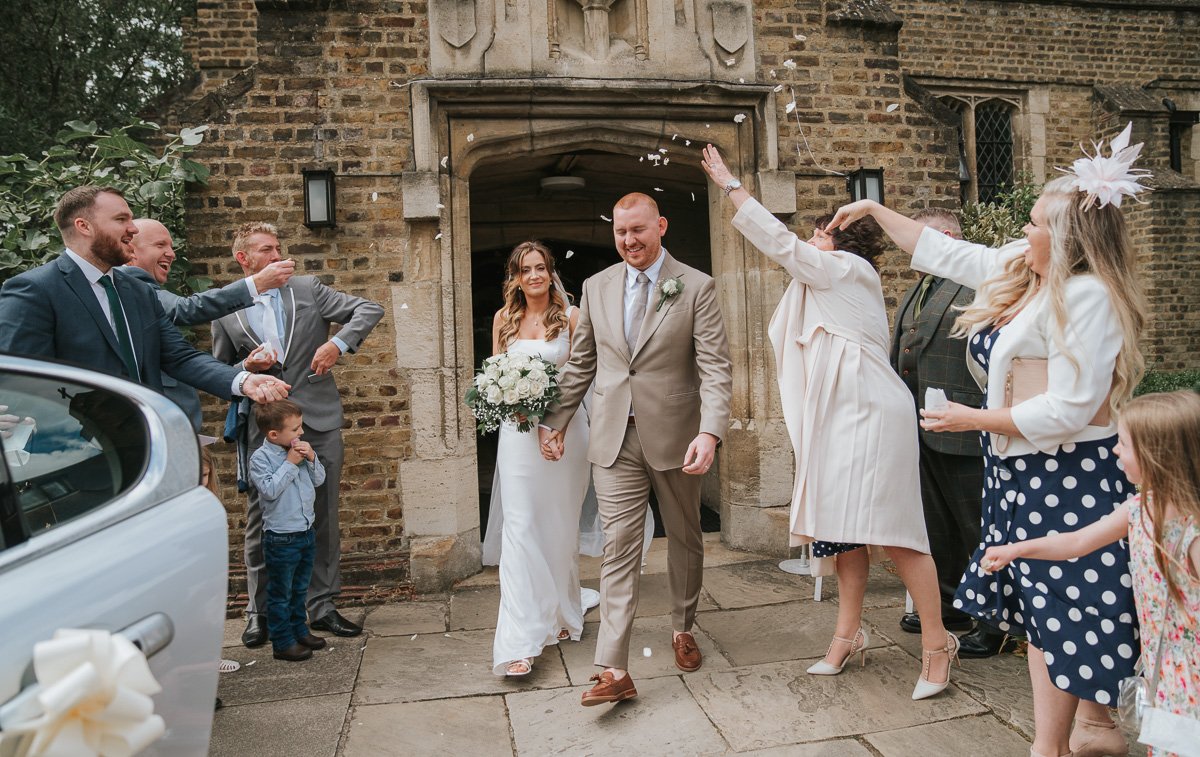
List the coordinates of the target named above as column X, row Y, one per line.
column 731, row 185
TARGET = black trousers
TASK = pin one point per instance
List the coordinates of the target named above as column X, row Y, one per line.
column 951, row 496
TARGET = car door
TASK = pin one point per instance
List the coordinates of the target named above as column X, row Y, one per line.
column 103, row 526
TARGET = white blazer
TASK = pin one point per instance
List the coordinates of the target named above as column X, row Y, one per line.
column 1092, row 336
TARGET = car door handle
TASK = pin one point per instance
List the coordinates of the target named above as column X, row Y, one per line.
column 151, row 635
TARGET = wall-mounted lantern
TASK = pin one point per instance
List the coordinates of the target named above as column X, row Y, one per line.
column 866, row 184
column 319, row 199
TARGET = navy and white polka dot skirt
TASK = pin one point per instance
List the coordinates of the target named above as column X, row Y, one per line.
column 1079, row 612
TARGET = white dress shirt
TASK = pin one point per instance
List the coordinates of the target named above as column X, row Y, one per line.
column 631, row 275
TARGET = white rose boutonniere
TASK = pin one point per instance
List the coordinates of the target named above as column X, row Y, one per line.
column 668, row 289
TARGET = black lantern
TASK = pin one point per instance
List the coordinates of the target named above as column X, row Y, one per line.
column 866, row 184
column 319, row 199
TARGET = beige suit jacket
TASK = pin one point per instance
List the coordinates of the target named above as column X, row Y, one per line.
column 678, row 380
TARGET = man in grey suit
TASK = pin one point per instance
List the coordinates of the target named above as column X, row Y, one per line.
column 84, row 308
column 925, row 356
column 152, row 254
column 294, row 322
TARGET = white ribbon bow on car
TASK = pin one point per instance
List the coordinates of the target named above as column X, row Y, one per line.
column 94, row 689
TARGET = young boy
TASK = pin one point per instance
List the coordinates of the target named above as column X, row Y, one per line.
column 286, row 473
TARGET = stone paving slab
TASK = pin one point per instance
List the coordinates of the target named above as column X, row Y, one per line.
column 306, row 727
column 775, row 704
column 262, row 678
column 663, row 720
column 951, row 737
column 473, row 609
column 839, row 748
column 772, row 633
column 407, row 618
column 654, row 596
column 648, row 633
column 476, row 726
column 439, row 666
column 755, row 583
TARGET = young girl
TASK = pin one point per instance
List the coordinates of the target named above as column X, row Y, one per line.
column 1159, row 446
column 208, row 479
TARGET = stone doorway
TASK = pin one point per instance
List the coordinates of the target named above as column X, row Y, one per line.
column 511, row 203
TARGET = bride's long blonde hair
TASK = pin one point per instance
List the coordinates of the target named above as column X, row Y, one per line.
column 555, row 318
column 1082, row 241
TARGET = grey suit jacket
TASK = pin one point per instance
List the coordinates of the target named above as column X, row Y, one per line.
column 309, row 311
column 194, row 310
column 51, row 312
column 942, row 360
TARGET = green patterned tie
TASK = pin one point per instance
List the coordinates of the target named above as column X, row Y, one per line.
column 922, row 295
column 122, row 328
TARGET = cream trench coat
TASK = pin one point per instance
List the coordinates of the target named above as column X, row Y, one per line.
column 850, row 417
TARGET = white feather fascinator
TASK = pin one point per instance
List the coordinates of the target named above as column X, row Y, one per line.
column 1105, row 180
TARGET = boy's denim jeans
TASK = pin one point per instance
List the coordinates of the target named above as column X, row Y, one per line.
column 289, row 559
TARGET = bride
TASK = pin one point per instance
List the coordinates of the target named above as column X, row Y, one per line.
column 539, row 564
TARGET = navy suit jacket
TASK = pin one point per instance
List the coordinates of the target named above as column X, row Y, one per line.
column 199, row 308
column 51, row 312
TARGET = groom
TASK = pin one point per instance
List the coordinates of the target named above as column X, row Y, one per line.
column 650, row 335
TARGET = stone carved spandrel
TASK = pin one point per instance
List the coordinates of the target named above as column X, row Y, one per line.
column 455, row 21
column 460, row 33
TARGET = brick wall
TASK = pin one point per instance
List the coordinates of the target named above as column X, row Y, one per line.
column 221, row 39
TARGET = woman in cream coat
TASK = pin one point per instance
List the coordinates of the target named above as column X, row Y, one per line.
column 1070, row 297
column 852, row 426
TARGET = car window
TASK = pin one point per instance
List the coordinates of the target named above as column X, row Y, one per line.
column 69, row 448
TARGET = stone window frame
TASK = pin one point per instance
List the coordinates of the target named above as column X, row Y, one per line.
column 1028, row 107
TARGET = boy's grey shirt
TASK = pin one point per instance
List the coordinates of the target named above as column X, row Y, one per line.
column 287, row 490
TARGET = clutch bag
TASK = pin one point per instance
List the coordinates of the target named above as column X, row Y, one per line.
column 1028, row 377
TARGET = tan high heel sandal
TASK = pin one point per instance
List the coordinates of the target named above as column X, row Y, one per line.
column 924, row 688
column 1092, row 738
column 824, row 668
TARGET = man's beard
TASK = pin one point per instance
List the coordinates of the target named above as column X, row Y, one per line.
column 109, row 250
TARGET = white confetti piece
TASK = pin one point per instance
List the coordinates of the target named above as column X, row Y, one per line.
column 251, row 663
column 778, row 88
column 892, row 107
column 414, row 636
column 800, row 37
column 446, row 635
column 364, row 646
column 374, row 196
column 470, row 137
column 445, row 161
column 707, row 126
column 789, row 64
column 570, row 254
column 739, row 118
column 687, row 143
column 730, row 61
column 663, row 150
column 790, row 107
column 772, row 72
column 666, row 161
column 606, row 218
column 693, row 196
column 441, row 206
column 673, row 137
column 658, row 189
column 741, row 80
column 330, row 649
column 404, row 306
column 642, row 159
column 646, row 651
column 439, row 236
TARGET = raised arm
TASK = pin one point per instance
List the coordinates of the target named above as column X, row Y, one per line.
column 904, row 231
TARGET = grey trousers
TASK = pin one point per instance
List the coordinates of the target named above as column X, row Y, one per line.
column 326, row 581
column 622, row 490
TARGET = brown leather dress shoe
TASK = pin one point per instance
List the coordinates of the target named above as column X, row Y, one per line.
column 608, row 689
column 687, row 654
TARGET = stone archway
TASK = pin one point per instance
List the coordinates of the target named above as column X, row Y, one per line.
column 461, row 126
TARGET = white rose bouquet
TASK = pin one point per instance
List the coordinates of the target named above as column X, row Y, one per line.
column 512, row 387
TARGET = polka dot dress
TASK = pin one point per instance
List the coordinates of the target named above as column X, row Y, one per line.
column 832, row 548
column 1079, row 612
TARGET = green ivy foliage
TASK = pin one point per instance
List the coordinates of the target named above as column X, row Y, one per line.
column 153, row 181
column 1167, row 381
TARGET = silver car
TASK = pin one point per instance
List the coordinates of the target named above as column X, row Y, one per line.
column 103, row 525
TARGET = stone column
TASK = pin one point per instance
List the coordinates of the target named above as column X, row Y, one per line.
column 595, row 27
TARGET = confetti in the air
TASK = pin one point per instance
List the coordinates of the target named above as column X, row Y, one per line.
column 642, row 159
column 658, row 189
column 789, row 107
column 741, row 80
column 673, row 137
column 445, row 161
column 570, row 254
column 404, row 306
column 471, row 137
column 893, row 107
column 800, row 37
column 789, row 64
column 730, row 61
column 772, row 72
column 606, row 218
column 778, row 88
column 693, row 196
column 441, row 206
column 663, row 150
column 439, row 236
column 645, row 651
column 739, row 118
column 666, row 161
column 687, row 143
column 251, row 663
column 707, row 126
column 374, row 196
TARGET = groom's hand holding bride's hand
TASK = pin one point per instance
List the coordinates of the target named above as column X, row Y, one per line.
column 550, row 442
column 700, row 454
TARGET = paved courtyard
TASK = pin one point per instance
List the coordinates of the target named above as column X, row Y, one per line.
column 419, row 682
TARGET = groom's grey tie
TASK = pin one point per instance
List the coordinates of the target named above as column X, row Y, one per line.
column 638, row 311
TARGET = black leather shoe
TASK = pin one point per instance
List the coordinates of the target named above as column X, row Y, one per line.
column 911, row 622
column 294, row 653
column 255, row 634
column 985, row 641
column 334, row 623
column 312, row 642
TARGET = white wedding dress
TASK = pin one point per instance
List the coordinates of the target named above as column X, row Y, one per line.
column 539, row 555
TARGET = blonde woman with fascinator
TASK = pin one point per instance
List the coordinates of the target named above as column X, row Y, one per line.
column 539, row 562
column 1052, row 337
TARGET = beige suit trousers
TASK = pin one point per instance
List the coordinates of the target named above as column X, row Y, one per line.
column 621, row 491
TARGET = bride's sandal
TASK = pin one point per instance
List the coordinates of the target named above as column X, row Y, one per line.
column 518, row 668
column 564, row 634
